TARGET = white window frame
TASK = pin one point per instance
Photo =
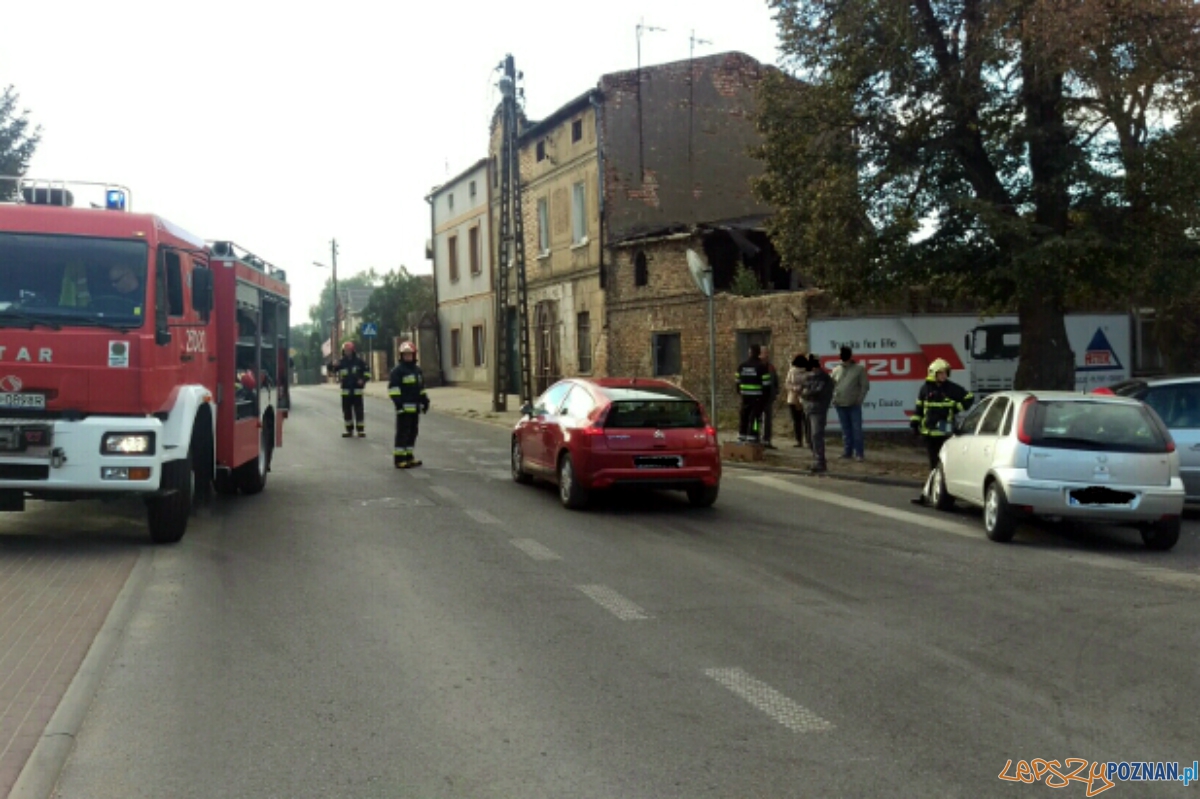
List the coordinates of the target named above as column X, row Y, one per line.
column 579, row 231
column 543, row 212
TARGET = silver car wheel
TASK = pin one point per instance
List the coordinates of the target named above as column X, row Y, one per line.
column 936, row 488
column 991, row 508
column 516, row 458
column 564, row 480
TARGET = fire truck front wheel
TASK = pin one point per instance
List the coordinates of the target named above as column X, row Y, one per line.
column 168, row 515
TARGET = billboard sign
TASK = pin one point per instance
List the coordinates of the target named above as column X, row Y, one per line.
column 982, row 353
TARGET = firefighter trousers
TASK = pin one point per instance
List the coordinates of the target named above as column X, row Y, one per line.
column 352, row 411
column 406, row 434
column 752, row 408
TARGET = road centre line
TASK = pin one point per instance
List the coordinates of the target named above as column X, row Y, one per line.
column 762, row 696
column 444, row 492
column 613, row 602
column 1158, row 574
column 534, row 549
column 482, row 516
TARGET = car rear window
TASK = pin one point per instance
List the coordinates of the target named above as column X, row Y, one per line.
column 1096, row 426
column 660, row 413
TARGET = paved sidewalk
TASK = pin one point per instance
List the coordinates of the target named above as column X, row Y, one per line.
column 888, row 460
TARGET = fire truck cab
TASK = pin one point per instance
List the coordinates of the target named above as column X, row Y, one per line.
column 135, row 358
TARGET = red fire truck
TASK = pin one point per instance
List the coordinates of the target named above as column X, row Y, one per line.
column 135, row 358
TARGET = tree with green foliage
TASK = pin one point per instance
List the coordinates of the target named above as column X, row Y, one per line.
column 17, row 141
column 401, row 293
column 1026, row 155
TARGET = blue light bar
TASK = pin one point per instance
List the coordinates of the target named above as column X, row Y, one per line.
column 116, row 200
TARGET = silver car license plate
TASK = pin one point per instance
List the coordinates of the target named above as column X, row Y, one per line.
column 21, row 400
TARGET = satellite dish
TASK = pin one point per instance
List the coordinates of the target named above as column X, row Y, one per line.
column 701, row 272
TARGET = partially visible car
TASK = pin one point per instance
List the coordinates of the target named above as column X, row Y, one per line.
column 610, row 433
column 1177, row 402
column 1063, row 455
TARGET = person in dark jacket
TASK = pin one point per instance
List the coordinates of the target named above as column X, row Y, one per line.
column 938, row 402
column 406, row 387
column 817, row 394
column 754, row 386
column 354, row 373
column 772, row 395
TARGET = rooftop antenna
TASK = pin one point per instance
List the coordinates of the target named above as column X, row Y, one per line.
column 692, row 87
column 642, row 26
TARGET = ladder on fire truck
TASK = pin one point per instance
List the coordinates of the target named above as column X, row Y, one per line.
column 512, row 250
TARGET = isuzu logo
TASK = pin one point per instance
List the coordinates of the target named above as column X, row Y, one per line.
column 10, row 383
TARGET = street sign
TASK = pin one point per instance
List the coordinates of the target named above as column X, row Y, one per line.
column 370, row 330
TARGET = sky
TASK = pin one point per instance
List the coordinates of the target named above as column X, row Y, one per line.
column 280, row 126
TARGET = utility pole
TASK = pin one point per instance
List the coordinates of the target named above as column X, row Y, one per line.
column 337, row 304
column 642, row 26
column 512, row 248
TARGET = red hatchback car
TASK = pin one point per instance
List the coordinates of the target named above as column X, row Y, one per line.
column 597, row 434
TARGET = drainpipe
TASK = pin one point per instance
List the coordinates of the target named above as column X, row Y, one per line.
column 598, row 109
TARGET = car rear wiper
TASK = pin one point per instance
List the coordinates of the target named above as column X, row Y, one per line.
column 25, row 320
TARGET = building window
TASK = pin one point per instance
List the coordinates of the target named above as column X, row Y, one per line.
column 473, row 242
column 450, row 200
column 583, row 335
column 578, row 213
column 667, row 354
column 456, row 347
column 746, row 338
column 478, row 341
column 471, row 189
column 541, row 151
column 641, row 272
column 452, row 247
column 577, row 130
column 543, row 224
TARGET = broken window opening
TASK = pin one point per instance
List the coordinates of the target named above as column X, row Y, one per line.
column 641, row 271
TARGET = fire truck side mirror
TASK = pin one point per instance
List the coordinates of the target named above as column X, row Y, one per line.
column 202, row 290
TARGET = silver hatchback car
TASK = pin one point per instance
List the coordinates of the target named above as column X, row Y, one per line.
column 1176, row 400
column 1063, row 455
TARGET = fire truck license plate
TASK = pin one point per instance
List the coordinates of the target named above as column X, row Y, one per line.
column 13, row 399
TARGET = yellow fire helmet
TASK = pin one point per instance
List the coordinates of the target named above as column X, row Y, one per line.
column 939, row 365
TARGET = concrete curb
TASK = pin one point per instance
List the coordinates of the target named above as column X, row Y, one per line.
column 41, row 772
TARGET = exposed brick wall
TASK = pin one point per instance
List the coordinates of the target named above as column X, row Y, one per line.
column 689, row 158
column 671, row 303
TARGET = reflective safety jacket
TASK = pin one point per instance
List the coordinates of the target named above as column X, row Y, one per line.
column 406, row 387
column 937, row 405
column 754, row 379
column 351, row 369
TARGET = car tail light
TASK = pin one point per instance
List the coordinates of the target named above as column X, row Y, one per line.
column 1107, row 391
column 1025, row 421
column 712, row 434
column 1170, row 443
column 596, row 428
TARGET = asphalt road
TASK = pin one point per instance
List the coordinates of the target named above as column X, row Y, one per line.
column 358, row 631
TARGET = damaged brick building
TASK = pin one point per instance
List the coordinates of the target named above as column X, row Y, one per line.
column 618, row 184
column 692, row 152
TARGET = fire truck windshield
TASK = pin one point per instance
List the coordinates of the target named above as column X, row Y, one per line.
column 72, row 280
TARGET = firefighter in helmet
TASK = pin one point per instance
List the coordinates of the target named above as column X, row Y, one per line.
column 938, row 402
column 406, row 387
column 354, row 374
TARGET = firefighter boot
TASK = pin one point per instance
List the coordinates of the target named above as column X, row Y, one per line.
column 349, row 430
column 361, row 432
